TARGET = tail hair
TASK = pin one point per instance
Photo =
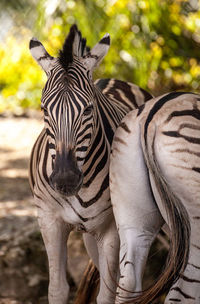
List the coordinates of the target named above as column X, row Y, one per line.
column 178, row 219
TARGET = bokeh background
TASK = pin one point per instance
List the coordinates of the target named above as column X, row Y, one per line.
column 155, row 44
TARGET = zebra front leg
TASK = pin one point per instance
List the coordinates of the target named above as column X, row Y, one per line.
column 91, row 247
column 55, row 234
column 108, row 248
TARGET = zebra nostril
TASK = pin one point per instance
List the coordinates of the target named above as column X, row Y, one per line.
column 67, row 182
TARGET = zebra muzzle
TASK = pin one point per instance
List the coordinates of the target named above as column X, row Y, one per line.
column 66, row 177
column 68, row 183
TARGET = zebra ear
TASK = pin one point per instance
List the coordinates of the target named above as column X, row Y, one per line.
column 40, row 55
column 94, row 57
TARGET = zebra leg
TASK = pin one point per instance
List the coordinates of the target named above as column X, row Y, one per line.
column 55, row 234
column 137, row 216
column 91, row 247
column 136, row 237
column 108, row 249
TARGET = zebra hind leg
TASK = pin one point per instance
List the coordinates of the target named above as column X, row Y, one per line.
column 134, row 249
column 137, row 216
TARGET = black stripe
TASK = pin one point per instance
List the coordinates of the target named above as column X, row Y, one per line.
column 106, row 124
column 121, row 261
column 194, row 113
column 103, row 187
column 82, row 149
column 80, row 159
column 87, row 136
column 124, row 127
column 43, row 141
column 98, row 168
column 196, row 169
column 195, row 246
column 188, row 279
column 105, row 40
column 102, row 83
column 186, row 296
column 97, row 140
column 86, row 119
column 34, row 43
column 157, row 106
column 174, row 300
column 35, row 147
column 147, row 95
column 80, row 98
column 125, row 88
column 44, row 164
column 44, row 172
column 85, row 219
column 140, row 109
column 195, row 266
column 45, row 57
column 50, row 98
column 87, row 127
column 193, row 140
column 74, row 102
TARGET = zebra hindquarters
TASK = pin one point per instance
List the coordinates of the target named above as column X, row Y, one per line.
column 177, row 152
column 137, row 217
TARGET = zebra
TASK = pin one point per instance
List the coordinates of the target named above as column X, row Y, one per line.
column 69, row 164
column 155, row 178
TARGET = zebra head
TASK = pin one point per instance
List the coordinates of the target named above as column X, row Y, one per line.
column 68, row 103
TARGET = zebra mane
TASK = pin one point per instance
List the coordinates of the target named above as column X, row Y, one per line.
column 74, row 45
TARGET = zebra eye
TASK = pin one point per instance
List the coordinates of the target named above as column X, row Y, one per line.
column 88, row 110
column 44, row 110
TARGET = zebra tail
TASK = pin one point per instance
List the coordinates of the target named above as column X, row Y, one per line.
column 179, row 230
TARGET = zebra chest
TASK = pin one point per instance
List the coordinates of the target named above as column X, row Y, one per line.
column 86, row 211
column 86, row 217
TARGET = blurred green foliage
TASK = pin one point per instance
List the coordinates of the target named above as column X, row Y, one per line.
column 154, row 44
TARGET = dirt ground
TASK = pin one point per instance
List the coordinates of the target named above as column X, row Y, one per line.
column 23, row 261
